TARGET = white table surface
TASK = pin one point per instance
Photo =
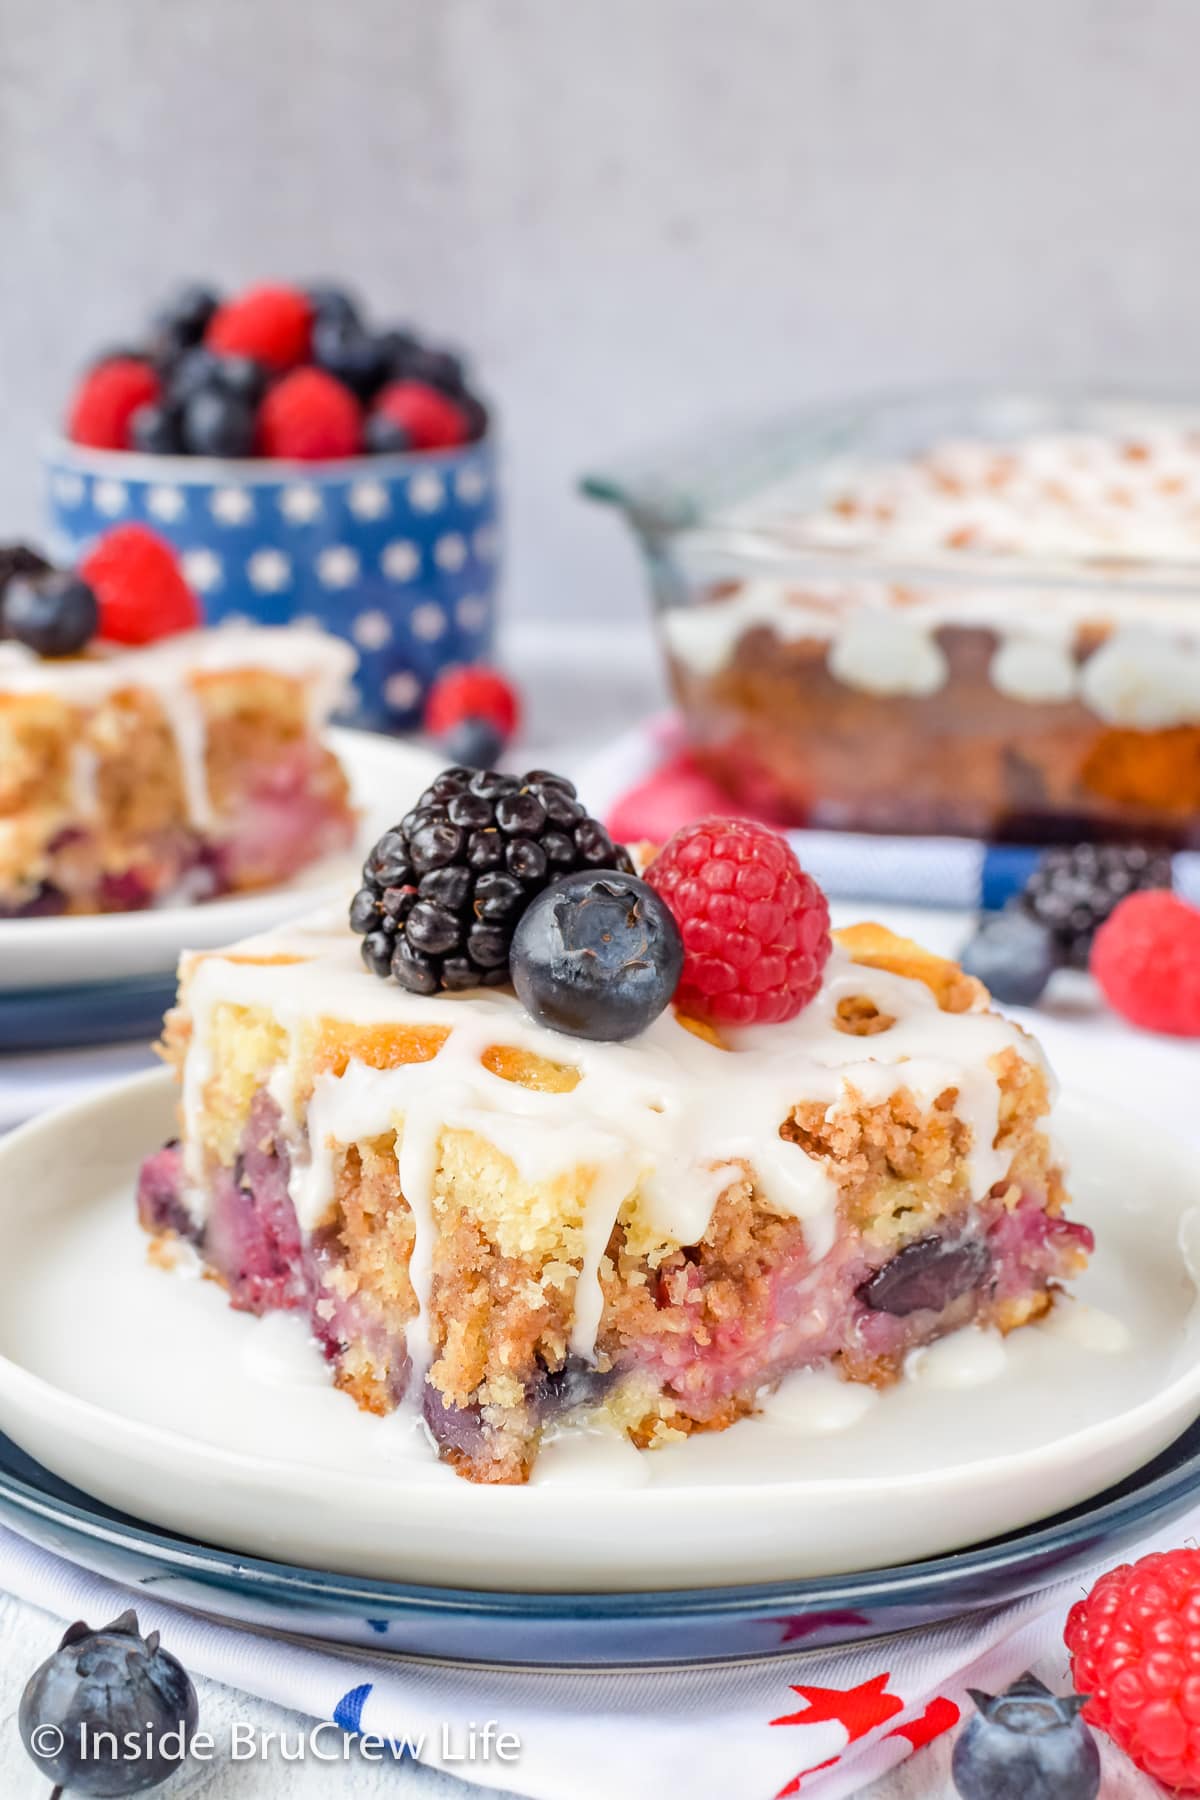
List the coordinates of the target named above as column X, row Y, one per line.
column 615, row 681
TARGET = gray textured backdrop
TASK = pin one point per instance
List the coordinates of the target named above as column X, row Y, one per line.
column 641, row 214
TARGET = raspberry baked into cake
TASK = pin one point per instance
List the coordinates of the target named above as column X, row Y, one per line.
column 146, row 760
column 565, row 1147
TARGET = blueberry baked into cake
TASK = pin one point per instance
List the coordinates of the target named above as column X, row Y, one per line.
column 144, row 759
column 552, row 1143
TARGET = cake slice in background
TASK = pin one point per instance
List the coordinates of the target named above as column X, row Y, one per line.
column 145, row 760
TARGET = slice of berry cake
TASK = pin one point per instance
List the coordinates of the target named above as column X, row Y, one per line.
column 698, row 1147
column 145, row 760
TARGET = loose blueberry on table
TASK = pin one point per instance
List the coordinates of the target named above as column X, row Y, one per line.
column 114, row 1681
column 1014, row 956
column 1052, row 923
column 1026, row 1744
column 274, row 371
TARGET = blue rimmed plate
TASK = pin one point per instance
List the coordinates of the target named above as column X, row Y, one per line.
column 601, row 1630
column 96, row 1012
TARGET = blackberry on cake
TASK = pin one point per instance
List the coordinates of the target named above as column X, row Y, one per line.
column 444, row 889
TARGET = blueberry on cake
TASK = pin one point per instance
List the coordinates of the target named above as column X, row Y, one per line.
column 145, row 760
column 532, row 1139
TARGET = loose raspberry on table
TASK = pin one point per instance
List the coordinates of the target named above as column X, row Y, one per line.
column 139, row 587
column 106, row 400
column 269, row 323
column 1146, row 958
column 755, row 926
column 431, row 420
column 1135, row 1649
column 472, row 692
column 311, row 417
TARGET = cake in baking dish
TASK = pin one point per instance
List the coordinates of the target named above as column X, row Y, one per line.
column 509, row 1223
column 991, row 637
column 183, row 769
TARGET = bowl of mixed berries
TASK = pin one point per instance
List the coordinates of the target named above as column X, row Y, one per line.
column 305, row 464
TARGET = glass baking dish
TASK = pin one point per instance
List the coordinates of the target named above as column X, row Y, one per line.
column 964, row 613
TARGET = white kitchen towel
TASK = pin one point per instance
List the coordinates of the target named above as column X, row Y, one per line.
column 820, row 1724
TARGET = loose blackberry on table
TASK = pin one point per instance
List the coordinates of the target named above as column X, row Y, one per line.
column 1074, row 889
column 444, row 890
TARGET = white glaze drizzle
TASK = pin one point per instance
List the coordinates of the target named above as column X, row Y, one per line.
column 666, row 1121
column 169, row 670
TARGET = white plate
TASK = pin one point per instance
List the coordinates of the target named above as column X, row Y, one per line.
column 384, row 776
column 143, row 1388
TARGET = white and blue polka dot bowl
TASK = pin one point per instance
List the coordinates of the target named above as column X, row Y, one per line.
column 396, row 553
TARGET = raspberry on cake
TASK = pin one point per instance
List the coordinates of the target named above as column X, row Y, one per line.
column 175, row 764
column 506, row 1224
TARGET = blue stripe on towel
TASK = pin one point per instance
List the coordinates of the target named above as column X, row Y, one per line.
column 957, row 872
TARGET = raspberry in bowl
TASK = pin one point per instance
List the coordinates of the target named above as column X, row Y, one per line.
column 307, row 466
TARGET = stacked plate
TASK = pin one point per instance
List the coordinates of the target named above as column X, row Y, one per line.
column 159, row 1438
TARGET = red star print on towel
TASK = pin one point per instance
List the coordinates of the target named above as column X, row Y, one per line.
column 858, row 1710
column 938, row 1716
